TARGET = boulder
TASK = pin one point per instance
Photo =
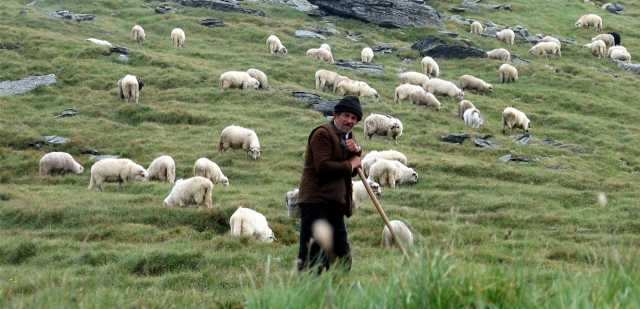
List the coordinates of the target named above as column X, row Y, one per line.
column 484, row 142
column 26, row 84
column 119, row 50
column 65, row 14
column 309, row 34
column 219, row 5
column 369, row 68
column 455, row 138
column 317, row 103
column 615, row 8
column 631, row 67
column 212, row 22
column 515, row 158
column 67, row 112
column 438, row 48
column 164, row 9
column 383, row 48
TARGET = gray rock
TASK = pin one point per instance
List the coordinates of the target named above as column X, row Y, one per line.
column 383, row 48
column 455, row 138
column 55, row 140
column 309, row 34
column 438, row 48
column 65, row 14
column 615, row 8
column 300, row 5
column 515, row 158
column 449, row 33
column 460, row 20
column 475, row 6
column 26, row 84
column 484, row 142
column 523, row 139
column 318, row 103
column 369, row 68
column 123, row 58
column 164, row 9
column 119, row 50
column 67, row 112
column 219, row 5
column 354, row 36
column 212, row 22
column 516, row 60
column 327, row 30
column 631, row 67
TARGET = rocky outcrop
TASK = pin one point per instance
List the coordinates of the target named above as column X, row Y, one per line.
column 369, row 68
column 27, row 84
column 438, row 48
column 219, row 5
column 64, row 14
column 212, row 22
column 309, row 35
column 318, row 103
column 615, row 8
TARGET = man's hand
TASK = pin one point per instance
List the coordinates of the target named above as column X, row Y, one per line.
column 355, row 163
column 352, row 146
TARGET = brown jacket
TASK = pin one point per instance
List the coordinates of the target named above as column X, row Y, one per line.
column 326, row 177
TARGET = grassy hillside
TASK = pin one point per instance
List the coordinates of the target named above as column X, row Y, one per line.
column 489, row 233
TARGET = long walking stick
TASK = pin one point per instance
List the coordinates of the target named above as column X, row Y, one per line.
column 376, row 203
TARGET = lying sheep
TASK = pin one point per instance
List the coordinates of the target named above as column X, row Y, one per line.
column 360, row 194
column 513, row 118
column 115, row 170
column 499, row 54
column 275, row 46
column 588, row 20
column 325, row 46
column 325, row 78
column 366, row 55
column 100, row 42
column 473, row 83
column 619, row 53
column 338, row 80
column 430, row 67
column 476, row 27
column 137, row 34
column 383, row 125
column 235, row 137
column 417, row 95
column 162, row 168
column 260, row 77
column 129, row 87
column 507, row 36
column 237, row 79
column 442, row 87
column 508, row 73
column 245, row 221
column 545, row 48
column 196, row 191
column 402, row 232
column 291, row 202
column 373, row 156
column 356, row 88
column 598, row 48
column 463, row 106
column 472, row 118
column 389, row 173
column 210, row 170
column 413, row 78
column 59, row 163
column 608, row 39
column 178, row 37
column 320, row 54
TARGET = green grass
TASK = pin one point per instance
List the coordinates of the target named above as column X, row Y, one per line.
column 489, row 234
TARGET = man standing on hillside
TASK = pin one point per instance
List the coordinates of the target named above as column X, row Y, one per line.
column 331, row 159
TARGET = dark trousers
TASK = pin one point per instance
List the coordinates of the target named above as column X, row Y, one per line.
column 310, row 254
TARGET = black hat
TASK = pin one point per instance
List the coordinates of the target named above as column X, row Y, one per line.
column 349, row 104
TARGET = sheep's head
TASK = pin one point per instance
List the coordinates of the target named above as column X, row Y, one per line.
column 78, row 168
column 396, row 128
column 578, row 24
column 375, row 187
column 282, row 50
column 140, row 83
column 138, row 173
column 254, row 153
column 224, row 181
column 460, row 95
column 269, row 237
column 490, row 87
column 410, row 176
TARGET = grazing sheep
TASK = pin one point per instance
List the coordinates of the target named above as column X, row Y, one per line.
column 360, row 194
column 551, row 39
column 513, row 118
column 178, row 37
column 245, row 221
column 275, row 46
column 325, row 46
column 210, row 170
column 260, row 77
column 162, row 168
column 443, row 87
column 545, row 48
column 413, row 78
column 588, row 20
column 137, row 34
column 115, row 170
column 499, row 54
column 404, row 92
column 598, row 48
column 366, row 55
column 607, row 38
column 383, row 125
column 508, row 73
column 507, row 36
column 356, row 88
column 325, row 78
column 430, row 67
column 321, row 54
column 235, row 137
column 402, row 232
column 391, row 172
column 476, row 27
column 373, row 156
column 463, row 106
column 191, row 191
column 100, row 42
column 237, row 79
column 291, row 202
column 619, row 53
column 417, row 95
column 472, row 118
column 59, row 163
column 338, row 80
column 474, row 83
column 129, row 87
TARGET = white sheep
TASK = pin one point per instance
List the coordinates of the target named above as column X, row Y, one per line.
column 474, row 83
column 137, row 34
column 366, row 55
column 356, row 88
column 606, row 37
column 236, row 137
column 513, row 118
column 598, row 48
column 237, row 79
column 507, row 36
column 100, row 42
column 320, row 54
column 129, row 87
column 472, row 118
column 402, row 232
column 463, row 106
column 338, row 80
column 373, row 156
column 413, row 78
column 383, row 125
column 178, row 37
column 59, row 163
column 115, row 170
column 588, row 20
column 499, row 54
column 162, row 168
column 545, row 48
column 325, row 78
column 508, row 73
column 360, row 194
column 430, row 67
column 391, row 172
column 476, row 27
column 245, row 221
column 275, row 46
column 210, row 170
column 196, row 191
column 291, row 202
column 325, row 46
column 443, row 87
column 619, row 53
column 549, row 38
column 404, row 92
column 417, row 95
column 260, row 77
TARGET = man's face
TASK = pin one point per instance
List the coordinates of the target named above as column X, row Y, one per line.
column 345, row 121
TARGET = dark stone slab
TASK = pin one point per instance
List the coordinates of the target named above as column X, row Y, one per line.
column 212, row 22
column 515, row 158
column 219, row 5
column 13, row 87
column 615, row 8
column 439, row 48
column 455, row 138
column 65, row 14
column 164, row 9
column 383, row 48
column 317, row 103
column 67, row 112
column 370, row 68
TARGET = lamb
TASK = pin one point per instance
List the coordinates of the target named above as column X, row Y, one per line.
column 619, row 53
column 499, row 54
column 508, row 73
column 260, row 77
column 472, row 118
column 366, row 55
column 238, row 137
column 178, row 37
column 325, row 78
column 588, row 20
column 321, row 54
column 474, row 83
column 162, row 168
column 545, row 48
column 373, row 156
column 115, row 170
column 383, row 125
column 360, row 194
column 291, row 202
column 59, row 163
column 507, row 36
column 463, row 106
column 137, row 34
column 356, row 88
column 191, row 191
column 476, row 27
column 443, row 87
column 129, row 87
column 513, row 118
column 598, row 48
column 417, row 95
column 402, row 232
column 430, row 67
column 325, row 46
column 210, row 170
column 275, row 46
column 391, row 172
column 413, row 78
column 237, row 79
column 100, row 42
column 245, row 221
